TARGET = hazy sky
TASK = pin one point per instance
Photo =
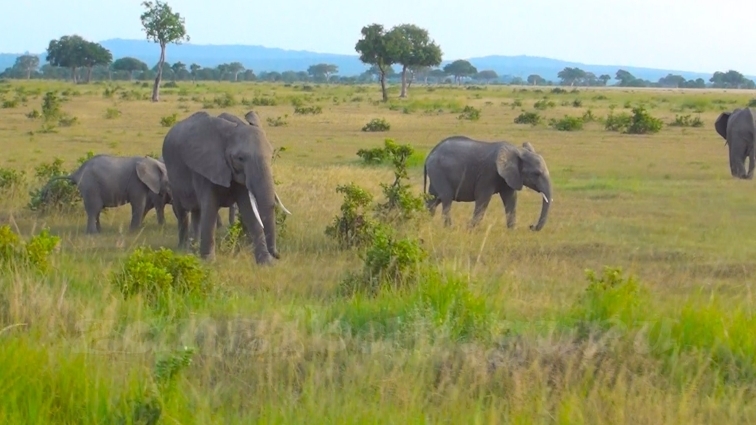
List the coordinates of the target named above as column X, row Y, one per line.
column 691, row 35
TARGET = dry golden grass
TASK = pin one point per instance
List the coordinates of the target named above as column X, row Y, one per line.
column 663, row 207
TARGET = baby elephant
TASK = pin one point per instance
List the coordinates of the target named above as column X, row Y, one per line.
column 465, row 170
column 107, row 181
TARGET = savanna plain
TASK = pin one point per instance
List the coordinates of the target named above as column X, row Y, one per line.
column 632, row 305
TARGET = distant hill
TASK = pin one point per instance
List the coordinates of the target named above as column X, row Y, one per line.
column 259, row 58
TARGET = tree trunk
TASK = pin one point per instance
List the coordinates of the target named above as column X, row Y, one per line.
column 156, row 87
column 403, row 94
column 89, row 74
column 131, row 75
column 28, row 73
column 411, row 79
column 73, row 74
column 383, row 86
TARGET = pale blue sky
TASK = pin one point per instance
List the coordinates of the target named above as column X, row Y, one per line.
column 690, row 35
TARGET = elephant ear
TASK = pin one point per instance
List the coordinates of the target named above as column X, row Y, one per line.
column 252, row 118
column 721, row 124
column 527, row 146
column 150, row 174
column 509, row 166
column 204, row 148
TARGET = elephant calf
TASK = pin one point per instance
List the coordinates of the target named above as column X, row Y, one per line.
column 107, row 181
column 464, row 170
column 739, row 131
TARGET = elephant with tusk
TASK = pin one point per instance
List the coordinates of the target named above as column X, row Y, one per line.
column 215, row 163
column 738, row 130
column 465, row 170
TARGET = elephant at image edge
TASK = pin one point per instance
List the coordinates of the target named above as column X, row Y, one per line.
column 216, row 163
column 465, row 170
column 738, row 129
column 107, row 181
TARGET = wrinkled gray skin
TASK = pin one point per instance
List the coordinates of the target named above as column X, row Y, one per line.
column 738, row 130
column 215, row 163
column 465, row 170
column 107, row 181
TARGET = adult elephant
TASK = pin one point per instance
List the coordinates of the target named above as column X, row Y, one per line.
column 108, row 181
column 463, row 169
column 738, row 130
column 216, row 163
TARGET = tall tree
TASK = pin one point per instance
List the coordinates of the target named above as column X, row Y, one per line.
column 459, row 69
column 375, row 48
column 194, row 68
column 570, row 76
column 487, row 75
column 322, row 70
column 94, row 54
column 162, row 26
column 235, row 68
column 130, row 65
column 414, row 49
column 177, row 69
column 535, row 79
column 67, row 52
column 27, row 63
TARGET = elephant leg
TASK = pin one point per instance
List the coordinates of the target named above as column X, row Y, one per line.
column 751, row 162
column 182, row 218
column 446, row 211
column 97, row 223
column 231, row 215
column 254, row 231
column 138, row 204
column 160, row 211
column 207, row 221
column 481, row 204
column 431, row 205
column 93, row 208
column 195, row 223
column 509, row 198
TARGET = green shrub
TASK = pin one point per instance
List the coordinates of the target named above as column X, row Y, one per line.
column 588, row 116
column 33, row 114
column 57, row 195
column 278, row 121
column 516, row 103
column 686, row 121
column 567, row 123
column 469, row 113
column 35, row 253
column 642, row 122
column 260, row 101
column 373, row 156
column 169, row 120
column 377, row 124
column 577, row 103
column 353, row 227
column 225, row 100
column 400, row 202
column 160, row 274
column 112, row 113
column 619, row 122
column 610, row 300
column 10, row 178
column 305, row 110
column 544, row 104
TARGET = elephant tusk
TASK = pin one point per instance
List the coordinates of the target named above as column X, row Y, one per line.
column 278, row 200
column 545, row 199
column 254, row 208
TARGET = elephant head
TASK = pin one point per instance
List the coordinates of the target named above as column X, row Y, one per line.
column 524, row 167
column 738, row 129
column 226, row 152
column 153, row 174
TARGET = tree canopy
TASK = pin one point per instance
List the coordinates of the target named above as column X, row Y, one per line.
column 73, row 51
column 413, row 49
column 322, row 71
column 163, row 26
column 460, row 69
column 375, row 48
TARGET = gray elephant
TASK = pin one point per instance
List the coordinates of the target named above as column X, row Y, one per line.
column 107, row 181
column 215, row 163
column 738, row 130
column 465, row 170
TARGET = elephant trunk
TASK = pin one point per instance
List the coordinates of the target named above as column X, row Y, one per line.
column 262, row 193
column 545, row 190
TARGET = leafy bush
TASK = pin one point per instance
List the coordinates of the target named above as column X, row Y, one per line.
column 354, row 227
column 686, row 121
column 558, row 90
column 400, row 202
column 377, row 124
column 469, row 113
column 33, row 114
column 67, row 121
column 373, row 156
column 260, row 101
column 304, row 110
column 532, row 118
column 160, row 274
column 32, row 254
column 10, row 178
column 112, row 113
column 567, row 123
column 225, row 100
column 57, row 195
column 643, row 123
column 544, row 104
column 577, row 103
column 169, row 121
column 610, row 300
column 278, row 121
column 752, row 103
column 588, row 116
column 619, row 122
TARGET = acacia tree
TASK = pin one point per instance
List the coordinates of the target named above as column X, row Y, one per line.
column 129, row 64
column 535, row 79
column 27, row 63
column 194, row 69
column 235, row 68
column 322, row 70
column 460, row 68
column 67, row 52
column 376, row 48
column 414, row 49
column 487, row 75
column 162, row 26
column 94, row 54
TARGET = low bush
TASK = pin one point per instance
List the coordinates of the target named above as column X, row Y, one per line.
column 469, row 113
column 532, row 118
column 567, row 123
column 34, row 253
column 686, row 121
column 377, row 124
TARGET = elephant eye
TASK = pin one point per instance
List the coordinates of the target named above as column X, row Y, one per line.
column 240, row 158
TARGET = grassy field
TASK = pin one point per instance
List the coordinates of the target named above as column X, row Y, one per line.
column 508, row 330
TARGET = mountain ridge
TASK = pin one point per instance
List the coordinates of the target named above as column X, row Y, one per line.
column 261, row 58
